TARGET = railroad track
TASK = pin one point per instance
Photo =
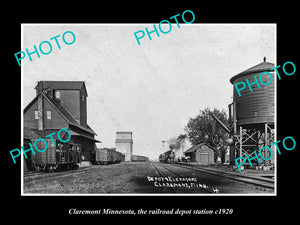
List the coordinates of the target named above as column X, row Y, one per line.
column 262, row 182
column 159, row 171
column 42, row 176
column 176, row 190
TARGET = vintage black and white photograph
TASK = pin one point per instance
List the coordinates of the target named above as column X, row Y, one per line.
column 131, row 109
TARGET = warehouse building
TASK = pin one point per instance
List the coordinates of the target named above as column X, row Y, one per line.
column 201, row 153
column 62, row 104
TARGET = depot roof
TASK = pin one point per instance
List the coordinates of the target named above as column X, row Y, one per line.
column 196, row 147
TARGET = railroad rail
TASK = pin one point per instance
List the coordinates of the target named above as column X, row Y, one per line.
column 42, row 176
column 159, row 171
column 257, row 181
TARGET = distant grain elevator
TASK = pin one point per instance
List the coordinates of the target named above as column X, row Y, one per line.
column 124, row 144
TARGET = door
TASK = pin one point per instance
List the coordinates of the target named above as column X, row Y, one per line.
column 204, row 158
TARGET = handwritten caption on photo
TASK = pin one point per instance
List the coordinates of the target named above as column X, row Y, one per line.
column 180, row 182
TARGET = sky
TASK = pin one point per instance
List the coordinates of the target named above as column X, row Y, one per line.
column 151, row 89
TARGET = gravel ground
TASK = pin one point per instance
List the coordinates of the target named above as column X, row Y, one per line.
column 116, row 178
column 126, row 177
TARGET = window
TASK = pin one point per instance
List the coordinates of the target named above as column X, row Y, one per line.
column 48, row 115
column 49, row 92
column 82, row 97
column 36, row 114
column 57, row 94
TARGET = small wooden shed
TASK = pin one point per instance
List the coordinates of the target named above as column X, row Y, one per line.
column 201, row 153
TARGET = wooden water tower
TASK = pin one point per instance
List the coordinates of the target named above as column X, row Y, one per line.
column 253, row 115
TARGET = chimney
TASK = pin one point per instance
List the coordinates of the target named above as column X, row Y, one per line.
column 39, row 87
column 40, row 113
column 264, row 59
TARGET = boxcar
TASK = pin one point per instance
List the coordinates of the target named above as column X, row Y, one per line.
column 138, row 158
column 54, row 158
column 103, row 156
column 107, row 156
column 118, row 157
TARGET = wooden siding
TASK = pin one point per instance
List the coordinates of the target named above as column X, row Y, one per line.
column 70, row 100
column 40, row 102
column 83, row 110
column 256, row 106
column 71, row 93
column 201, row 154
column 57, row 121
column 205, row 155
column 29, row 120
column 47, row 156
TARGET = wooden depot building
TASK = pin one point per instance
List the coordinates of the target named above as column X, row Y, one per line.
column 201, row 153
column 62, row 104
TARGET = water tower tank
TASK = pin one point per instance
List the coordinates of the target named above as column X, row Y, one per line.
column 256, row 107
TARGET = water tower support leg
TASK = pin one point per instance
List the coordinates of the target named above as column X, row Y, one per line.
column 268, row 139
column 267, row 163
column 241, row 143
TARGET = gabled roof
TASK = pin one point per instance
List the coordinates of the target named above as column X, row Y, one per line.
column 196, row 147
column 261, row 67
column 63, row 85
column 46, row 132
column 73, row 133
column 91, row 129
column 62, row 111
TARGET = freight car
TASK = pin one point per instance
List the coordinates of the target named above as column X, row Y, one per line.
column 107, row 156
column 139, row 158
column 59, row 157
